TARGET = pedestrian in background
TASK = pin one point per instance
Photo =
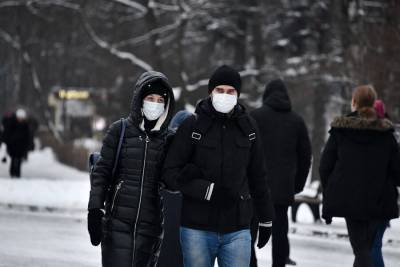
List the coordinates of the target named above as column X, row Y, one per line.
column 171, row 254
column 216, row 160
column 287, row 152
column 359, row 172
column 377, row 246
column 131, row 230
column 17, row 137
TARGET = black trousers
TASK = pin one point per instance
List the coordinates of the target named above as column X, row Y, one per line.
column 280, row 240
column 15, row 167
column 253, row 232
column 362, row 235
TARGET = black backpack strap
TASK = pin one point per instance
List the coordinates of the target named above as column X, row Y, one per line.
column 121, row 139
column 247, row 127
column 200, row 127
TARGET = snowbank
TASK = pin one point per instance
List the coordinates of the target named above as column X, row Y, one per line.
column 45, row 183
column 40, row 193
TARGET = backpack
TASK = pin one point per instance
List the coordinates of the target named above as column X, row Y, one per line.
column 95, row 156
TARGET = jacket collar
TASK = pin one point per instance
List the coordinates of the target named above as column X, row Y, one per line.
column 355, row 122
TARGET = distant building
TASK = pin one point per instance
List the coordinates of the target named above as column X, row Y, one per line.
column 74, row 111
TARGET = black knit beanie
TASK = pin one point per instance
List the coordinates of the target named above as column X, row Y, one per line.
column 225, row 75
column 156, row 87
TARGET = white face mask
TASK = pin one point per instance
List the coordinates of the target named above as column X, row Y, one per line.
column 224, row 103
column 152, row 110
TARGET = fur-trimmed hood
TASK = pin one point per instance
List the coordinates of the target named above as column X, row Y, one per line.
column 359, row 123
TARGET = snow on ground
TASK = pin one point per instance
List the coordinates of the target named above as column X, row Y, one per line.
column 42, row 164
column 61, row 239
column 45, row 183
column 38, row 239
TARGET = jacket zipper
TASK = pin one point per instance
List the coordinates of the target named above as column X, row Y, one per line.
column 140, row 198
column 118, row 187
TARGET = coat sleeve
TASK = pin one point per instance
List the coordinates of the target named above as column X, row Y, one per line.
column 179, row 173
column 303, row 150
column 394, row 164
column 258, row 184
column 101, row 175
column 328, row 160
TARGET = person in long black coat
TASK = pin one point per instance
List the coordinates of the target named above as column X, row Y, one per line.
column 131, row 230
column 287, row 152
column 360, row 169
column 17, row 137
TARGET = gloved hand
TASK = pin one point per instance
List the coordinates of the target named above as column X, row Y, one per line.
column 95, row 217
column 224, row 197
column 264, row 234
column 328, row 220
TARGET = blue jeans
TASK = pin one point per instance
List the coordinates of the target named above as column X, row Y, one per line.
column 200, row 248
column 377, row 247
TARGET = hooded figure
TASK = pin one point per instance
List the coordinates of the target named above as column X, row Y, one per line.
column 131, row 230
column 286, row 143
column 287, row 152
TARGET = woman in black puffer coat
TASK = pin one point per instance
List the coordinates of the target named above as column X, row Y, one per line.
column 360, row 169
column 131, row 230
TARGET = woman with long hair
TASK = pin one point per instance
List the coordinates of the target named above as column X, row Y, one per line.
column 360, row 169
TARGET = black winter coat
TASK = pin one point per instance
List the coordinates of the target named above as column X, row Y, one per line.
column 214, row 148
column 16, row 136
column 360, row 168
column 132, row 226
column 286, row 145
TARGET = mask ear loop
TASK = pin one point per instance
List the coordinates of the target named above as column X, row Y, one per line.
column 162, row 118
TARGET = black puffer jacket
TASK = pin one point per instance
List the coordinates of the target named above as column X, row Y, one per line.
column 360, row 168
column 215, row 148
column 132, row 230
column 286, row 143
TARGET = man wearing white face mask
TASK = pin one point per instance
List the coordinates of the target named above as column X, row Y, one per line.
column 217, row 162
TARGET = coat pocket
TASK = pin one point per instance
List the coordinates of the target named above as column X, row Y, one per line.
column 245, row 210
column 115, row 196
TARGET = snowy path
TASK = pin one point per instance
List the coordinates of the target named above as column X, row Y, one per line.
column 38, row 239
column 61, row 240
column 45, row 240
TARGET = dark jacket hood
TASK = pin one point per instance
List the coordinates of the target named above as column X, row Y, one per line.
column 136, row 114
column 276, row 96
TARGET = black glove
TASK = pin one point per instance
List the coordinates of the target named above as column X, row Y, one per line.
column 95, row 217
column 328, row 220
column 4, row 160
column 224, row 197
column 264, row 233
